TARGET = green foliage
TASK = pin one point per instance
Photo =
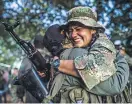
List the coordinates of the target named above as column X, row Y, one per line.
column 36, row 15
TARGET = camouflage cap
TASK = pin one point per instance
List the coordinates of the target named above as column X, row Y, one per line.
column 84, row 15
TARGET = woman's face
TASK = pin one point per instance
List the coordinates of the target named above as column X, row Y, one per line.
column 81, row 36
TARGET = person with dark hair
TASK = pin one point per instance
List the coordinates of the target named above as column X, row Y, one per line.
column 91, row 71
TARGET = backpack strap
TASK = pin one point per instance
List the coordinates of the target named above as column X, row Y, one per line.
column 56, row 85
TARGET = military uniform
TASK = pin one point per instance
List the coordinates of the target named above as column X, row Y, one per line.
column 129, row 60
column 72, row 86
column 104, row 75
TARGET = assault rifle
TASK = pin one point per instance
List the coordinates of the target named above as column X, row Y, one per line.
column 30, row 79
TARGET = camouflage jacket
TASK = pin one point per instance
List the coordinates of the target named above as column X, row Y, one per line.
column 118, row 80
column 113, row 85
column 64, row 84
column 98, row 64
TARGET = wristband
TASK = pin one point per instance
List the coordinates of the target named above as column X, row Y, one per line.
column 56, row 64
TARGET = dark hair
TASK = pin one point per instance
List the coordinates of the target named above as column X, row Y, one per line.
column 52, row 40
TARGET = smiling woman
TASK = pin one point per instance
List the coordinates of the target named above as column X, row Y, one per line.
column 81, row 35
column 89, row 72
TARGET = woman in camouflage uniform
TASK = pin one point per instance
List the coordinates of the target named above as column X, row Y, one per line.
column 88, row 72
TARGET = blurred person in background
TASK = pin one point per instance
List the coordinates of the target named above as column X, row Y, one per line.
column 4, row 82
column 119, row 46
column 13, row 88
column 25, row 65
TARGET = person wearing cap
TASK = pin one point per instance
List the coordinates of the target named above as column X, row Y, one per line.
column 93, row 64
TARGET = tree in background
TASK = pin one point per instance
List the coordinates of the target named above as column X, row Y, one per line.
column 36, row 15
